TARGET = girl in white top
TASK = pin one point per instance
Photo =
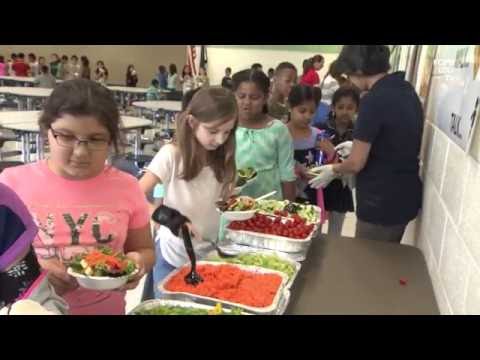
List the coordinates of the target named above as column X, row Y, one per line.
column 202, row 78
column 173, row 81
column 197, row 170
column 188, row 83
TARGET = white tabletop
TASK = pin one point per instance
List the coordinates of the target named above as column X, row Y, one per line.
column 18, row 117
column 18, row 78
column 167, row 105
column 26, row 91
column 130, row 122
column 23, row 79
column 128, row 89
column 28, row 121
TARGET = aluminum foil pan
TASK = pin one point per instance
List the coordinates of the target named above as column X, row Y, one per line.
column 268, row 241
column 284, row 303
column 283, row 256
column 269, row 310
column 150, row 304
column 232, row 248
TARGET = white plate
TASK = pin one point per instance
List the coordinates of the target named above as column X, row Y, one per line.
column 238, row 215
column 238, row 190
column 100, row 282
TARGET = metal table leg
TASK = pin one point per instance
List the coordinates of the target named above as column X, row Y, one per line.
column 29, row 103
column 137, row 143
column 122, row 99
column 20, row 105
column 25, row 141
column 167, row 120
column 39, row 144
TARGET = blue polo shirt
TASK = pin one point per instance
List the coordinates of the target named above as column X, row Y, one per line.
column 389, row 189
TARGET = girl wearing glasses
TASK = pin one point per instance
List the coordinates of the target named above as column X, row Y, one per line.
column 78, row 202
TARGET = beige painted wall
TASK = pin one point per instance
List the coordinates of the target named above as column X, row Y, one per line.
column 116, row 57
column 448, row 227
column 242, row 58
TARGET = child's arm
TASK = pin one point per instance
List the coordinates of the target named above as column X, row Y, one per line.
column 147, row 183
column 327, row 147
column 289, row 190
column 140, row 248
column 286, row 163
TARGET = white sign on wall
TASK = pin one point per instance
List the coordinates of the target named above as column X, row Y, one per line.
column 454, row 99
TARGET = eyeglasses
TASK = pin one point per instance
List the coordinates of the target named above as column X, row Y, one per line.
column 69, row 141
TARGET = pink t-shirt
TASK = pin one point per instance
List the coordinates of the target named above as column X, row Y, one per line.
column 3, row 69
column 74, row 216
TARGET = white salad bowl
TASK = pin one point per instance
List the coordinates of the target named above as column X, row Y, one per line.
column 100, row 282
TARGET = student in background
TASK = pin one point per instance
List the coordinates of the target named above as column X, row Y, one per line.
column 101, row 73
column 284, row 78
column 85, row 72
column 227, row 79
column 323, row 110
column 302, row 104
column 11, row 61
column 63, row 72
column 54, row 64
column 41, row 61
column 131, row 77
column 337, row 196
column 162, row 77
column 3, row 66
column 152, row 91
column 310, row 75
column 45, row 79
column 331, row 82
column 271, row 74
column 187, row 81
column 173, row 79
column 262, row 142
column 20, row 67
column 202, row 79
column 34, row 66
column 257, row 67
column 74, row 68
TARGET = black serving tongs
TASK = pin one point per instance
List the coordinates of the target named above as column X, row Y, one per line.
column 175, row 221
column 192, row 278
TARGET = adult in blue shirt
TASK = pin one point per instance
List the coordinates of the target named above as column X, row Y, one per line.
column 386, row 146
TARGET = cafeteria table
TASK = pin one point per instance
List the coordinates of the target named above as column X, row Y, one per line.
column 170, row 108
column 25, row 123
column 21, row 80
column 27, row 93
column 124, row 91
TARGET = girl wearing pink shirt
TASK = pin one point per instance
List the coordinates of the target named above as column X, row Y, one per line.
column 79, row 203
column 3, row 66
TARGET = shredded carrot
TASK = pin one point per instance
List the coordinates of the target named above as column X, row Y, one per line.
column 96, row 257
column 227, row 282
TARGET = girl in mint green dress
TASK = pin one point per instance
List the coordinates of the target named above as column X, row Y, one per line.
column 262, row 142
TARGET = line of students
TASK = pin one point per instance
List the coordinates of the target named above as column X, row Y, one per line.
column 61, row 68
